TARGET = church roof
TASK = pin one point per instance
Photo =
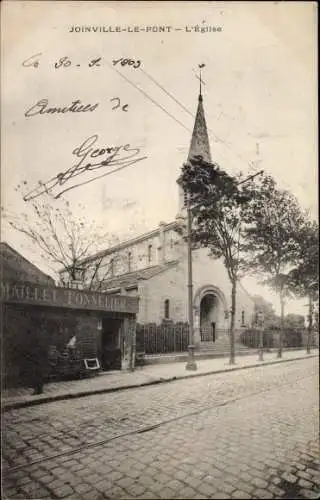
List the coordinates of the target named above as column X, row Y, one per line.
column 131, row 279
column 199, row 145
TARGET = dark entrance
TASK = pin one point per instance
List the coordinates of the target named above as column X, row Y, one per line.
column 111, row 344
column 213, row 331
column 208, row 311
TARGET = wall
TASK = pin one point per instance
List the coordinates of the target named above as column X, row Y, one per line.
column 14, row 267
column 208, row 271
column 139, row 257
column 166, row 246
column 28, row 333
column 172, row 285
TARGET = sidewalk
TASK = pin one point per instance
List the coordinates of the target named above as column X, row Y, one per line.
column 142, row 376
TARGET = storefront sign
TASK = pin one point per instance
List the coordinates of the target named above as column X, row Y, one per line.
column 30, row 293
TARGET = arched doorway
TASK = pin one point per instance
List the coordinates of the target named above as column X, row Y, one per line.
column 210, row 309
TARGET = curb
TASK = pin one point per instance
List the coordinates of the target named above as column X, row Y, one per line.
column 61, row 397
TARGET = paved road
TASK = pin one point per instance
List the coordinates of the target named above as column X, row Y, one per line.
column 246, row 434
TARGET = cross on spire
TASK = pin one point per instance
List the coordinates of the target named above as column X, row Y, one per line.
column 200, row 78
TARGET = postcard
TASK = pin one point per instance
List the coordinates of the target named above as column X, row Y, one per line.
column 159, row 221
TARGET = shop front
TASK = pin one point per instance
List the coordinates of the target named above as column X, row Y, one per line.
column 68, row 330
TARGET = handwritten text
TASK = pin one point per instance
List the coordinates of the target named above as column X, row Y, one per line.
column 92, row 162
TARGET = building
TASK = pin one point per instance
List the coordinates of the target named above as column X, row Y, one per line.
column 65, row 331
column 153, row 266
column 15, row 267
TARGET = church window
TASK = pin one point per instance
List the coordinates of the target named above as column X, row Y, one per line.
column 167, row 309
column 129, row 261
column 149, row 253
column 242, row 319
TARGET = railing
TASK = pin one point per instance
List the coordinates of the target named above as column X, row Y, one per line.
column 161, row 339
column 169, row 337
column 208, row 335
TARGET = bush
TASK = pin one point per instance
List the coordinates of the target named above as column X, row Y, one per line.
column 292, row 338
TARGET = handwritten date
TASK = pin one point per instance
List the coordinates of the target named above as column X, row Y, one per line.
column 66, row 62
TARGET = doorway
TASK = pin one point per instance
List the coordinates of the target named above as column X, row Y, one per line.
column 213, row 332
column 208, row 313
column 111, row 344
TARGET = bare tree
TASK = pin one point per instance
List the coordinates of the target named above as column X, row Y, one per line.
column 66, row 239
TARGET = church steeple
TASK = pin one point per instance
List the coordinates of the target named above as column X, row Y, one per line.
column 199, row 145
column 200, row 141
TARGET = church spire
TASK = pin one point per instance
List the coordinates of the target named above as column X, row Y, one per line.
column 199, row 145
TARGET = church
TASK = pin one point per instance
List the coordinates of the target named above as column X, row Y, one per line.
column 154, row 267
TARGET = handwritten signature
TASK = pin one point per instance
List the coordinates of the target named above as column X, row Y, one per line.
column 112, row 160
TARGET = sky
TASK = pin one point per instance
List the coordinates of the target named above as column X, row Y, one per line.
column 259, row 91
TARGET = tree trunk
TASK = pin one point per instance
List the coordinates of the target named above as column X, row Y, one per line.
column 281, row 324
column 309, row 325
column 232, row 324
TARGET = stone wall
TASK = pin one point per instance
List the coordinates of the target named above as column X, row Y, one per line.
column 169, row 285
column 172, row 285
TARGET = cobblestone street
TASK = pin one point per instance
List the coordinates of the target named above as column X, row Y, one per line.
column 246, row 434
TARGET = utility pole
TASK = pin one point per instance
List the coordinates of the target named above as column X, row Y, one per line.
column 309, row 324
column 191, row 363
column 260, row 326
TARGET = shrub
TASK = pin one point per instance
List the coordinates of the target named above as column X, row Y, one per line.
column 292, row 338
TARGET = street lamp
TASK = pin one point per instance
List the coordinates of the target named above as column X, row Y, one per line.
column 191, row 363
column 260, row 319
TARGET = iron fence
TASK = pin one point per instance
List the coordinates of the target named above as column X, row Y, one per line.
column 170, row 337
column 160, row 339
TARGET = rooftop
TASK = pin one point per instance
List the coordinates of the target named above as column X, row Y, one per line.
column 131, row 279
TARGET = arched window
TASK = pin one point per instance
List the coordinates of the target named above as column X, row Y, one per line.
column 167, row 309
column 149, row 253
column 129, row 261
column 242, row 319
